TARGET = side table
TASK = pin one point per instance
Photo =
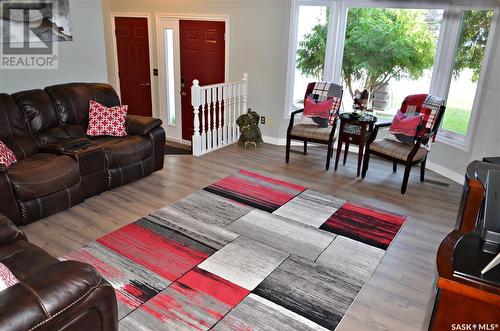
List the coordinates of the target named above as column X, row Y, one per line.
column 354, row 130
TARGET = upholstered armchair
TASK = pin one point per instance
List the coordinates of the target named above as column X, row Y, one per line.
column 415, row 150
column 319, row 91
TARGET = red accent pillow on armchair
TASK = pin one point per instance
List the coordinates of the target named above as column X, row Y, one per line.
column 405, row 127
column 317, row 113
column 7, row 157
column 104, row 121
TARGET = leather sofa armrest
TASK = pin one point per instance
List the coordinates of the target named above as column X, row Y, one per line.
column 8, row 231
column 65, row 295
column 61, row 145
column 3, row 168
column 141, row 125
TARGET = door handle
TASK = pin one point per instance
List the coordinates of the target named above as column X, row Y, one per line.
column 145, row 84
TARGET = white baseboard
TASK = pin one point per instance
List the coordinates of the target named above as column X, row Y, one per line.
column 454, row 176
column 274, row 140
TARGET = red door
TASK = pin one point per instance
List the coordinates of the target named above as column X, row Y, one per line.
column 132, row 46
column 202, row 58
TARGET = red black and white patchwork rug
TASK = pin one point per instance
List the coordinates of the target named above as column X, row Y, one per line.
column 246, row 253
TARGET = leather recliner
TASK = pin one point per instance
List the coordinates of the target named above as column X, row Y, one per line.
column 51, row 295
column 59, row 166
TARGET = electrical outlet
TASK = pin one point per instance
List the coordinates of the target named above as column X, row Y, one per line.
column 263, row 120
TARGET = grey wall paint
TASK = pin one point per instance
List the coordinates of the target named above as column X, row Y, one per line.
column 258, row 45
column 83, row 59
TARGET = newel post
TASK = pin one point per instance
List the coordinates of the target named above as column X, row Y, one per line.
column 196, row 103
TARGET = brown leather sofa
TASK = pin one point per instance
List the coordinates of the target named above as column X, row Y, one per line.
column 51, row 295
column 58, row 165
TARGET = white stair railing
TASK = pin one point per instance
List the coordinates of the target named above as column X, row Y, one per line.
column 220, row 105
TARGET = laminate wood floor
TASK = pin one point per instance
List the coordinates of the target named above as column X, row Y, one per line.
column 400, row 293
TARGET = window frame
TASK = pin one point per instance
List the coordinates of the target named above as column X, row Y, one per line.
column 443, row 61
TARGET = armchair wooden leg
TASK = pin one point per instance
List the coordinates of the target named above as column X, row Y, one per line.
column 337, row 157
column 406, row 177
column 366, row 160
column 394, row 167
column 305, row 147
column 329, row 155
column 422, row 170
column 287, row 157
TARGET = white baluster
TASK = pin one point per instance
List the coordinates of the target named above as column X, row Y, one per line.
column 224, row 115
column 234, row 100
column 214, row 117
column 219, row 117
column 203, row 131
column 209, row 118
column 195, row 101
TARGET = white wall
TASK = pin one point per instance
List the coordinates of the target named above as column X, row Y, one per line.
column 258, row 45
column 83, row 59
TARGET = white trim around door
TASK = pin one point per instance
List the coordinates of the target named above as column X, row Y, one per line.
column 171, row 21
column 147, row 16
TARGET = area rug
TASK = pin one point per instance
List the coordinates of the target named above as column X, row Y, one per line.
column 248, row 252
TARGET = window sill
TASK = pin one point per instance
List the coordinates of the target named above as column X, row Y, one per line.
column 447, row 138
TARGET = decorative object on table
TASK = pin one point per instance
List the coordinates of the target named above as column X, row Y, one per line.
column 415, row 149
column 52, row 19
column 360, row 99
column 308, row 129
column 239, row 254
column 250, row 135
column 354, row 129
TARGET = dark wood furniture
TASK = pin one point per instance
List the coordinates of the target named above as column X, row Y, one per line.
column 401, row 153
column 464, row 296
column 312, row 133
column 354, row 131
column 472, row 200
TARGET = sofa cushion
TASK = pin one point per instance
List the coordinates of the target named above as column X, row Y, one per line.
column 72, row 100
column 24, row 259
column 43, row 174
column 11, row 118
column 38, row 110
column 121, row 152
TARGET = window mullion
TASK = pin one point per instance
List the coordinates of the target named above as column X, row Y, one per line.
column 445, row 53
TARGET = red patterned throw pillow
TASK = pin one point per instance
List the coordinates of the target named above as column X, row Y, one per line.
column 317, row 113
column 7, row 157
column 104, row 121
column 7, row 278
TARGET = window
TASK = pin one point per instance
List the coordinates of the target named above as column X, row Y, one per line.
column 468, row 58
column 169, row 74
column 390, row 53
column 419, row 47
column 311, row 42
